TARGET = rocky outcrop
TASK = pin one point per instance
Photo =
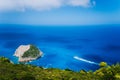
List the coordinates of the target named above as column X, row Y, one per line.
column 27, row 53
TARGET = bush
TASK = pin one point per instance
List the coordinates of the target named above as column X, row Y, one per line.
column 3, row 59
column 103, row 64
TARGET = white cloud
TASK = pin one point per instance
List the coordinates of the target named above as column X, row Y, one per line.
column 22, row 5
column 83, row 3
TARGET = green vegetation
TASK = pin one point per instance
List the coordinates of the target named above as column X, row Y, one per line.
column 3, row 59
column 103, row 64
column 32, row 52
column 9, row 71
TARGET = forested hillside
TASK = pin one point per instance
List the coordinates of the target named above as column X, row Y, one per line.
column 10, row 71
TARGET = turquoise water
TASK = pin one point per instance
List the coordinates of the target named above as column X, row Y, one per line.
column 73, row 47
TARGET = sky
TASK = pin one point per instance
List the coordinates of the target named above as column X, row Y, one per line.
column 60, row 12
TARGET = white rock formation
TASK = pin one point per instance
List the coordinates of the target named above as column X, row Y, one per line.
column 21, row 50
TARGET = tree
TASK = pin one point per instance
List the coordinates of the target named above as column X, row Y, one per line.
column 3, row 59
column 103, row 64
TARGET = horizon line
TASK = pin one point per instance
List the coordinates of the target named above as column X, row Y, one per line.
column 59, row 24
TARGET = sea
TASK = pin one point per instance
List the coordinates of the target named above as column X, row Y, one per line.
column 64, row 47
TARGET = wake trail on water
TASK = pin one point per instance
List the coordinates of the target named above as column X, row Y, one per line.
column 85, row 60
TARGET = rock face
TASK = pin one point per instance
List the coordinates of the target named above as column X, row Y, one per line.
column 27, row 53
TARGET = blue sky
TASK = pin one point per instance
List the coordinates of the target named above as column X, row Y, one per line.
column 60, row 12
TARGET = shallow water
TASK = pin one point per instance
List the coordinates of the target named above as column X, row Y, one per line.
column 73, row 47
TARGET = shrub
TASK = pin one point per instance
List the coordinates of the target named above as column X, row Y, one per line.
column 103, row 64
column 3, row 59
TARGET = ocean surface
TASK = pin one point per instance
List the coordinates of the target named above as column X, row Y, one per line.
column 72, row 47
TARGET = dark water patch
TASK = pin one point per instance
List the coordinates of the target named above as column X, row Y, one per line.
column 14, row 36
column 94, row 57
column 74, row 44
column 111, row 48
column 55, row 39
column 85, row 40
column 12, row 28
